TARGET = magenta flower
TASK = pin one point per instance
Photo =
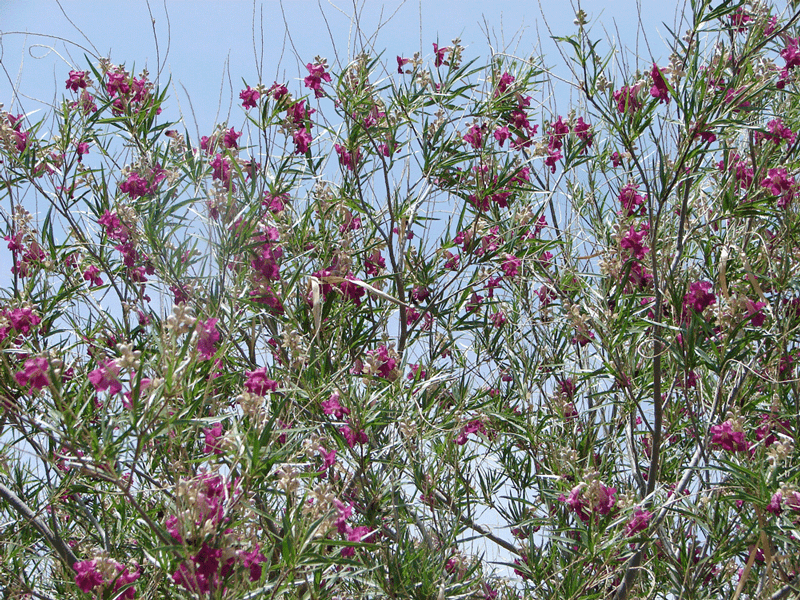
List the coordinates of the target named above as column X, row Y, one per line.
column 639, row 522
column 331, row 406
column 82, row 148
column 592, row 498
column 347, row 159
column 352, row 437
column 553, row 156
column 633, row 241
column 92, row 275
column 106, row 378
column 212, row 438
column 506, row 79
column 755, row 311
column 278, row 91
column 627, row 99
column 258, row 383
column 725, row 437
column 474, row 136
column 23, row 319
column 316, row 75
column 118, row 83
column 374, row 263
column 774, row 505
column 383, row 363
column 136, row 186
column 699, row 297
column 87, row 576
column 583, row 130
column 474, row 426
column 249, row 97
column 402, row 62
column 776, row 133
column 511, row 265
column 221, row 170
column 77, row 80
column 439, row 52
column 302, row 141
column 230, row 139
column 631, row 201
column 252, row 560
column 501, row 134
column 659, row 89
column 207, row 337
column 791, row 53
column 34, row 374
column 275, row 203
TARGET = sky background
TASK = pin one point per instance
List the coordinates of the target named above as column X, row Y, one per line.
column 206, row 48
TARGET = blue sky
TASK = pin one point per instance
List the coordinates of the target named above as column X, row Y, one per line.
column 208, row 47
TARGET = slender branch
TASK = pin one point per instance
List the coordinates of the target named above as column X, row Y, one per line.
column 53, row 539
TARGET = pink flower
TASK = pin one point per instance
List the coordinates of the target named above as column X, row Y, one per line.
column 87, row 576
column 207, row 337
column 583, row 130
column 585, row 499
column 316, row 75
column 631, row 201
column 756, row 313
column 791, row 54
column 633, row 241
column 302, row 140
column 221, row 170
column 383, row 362
column 252, row 560
column 92, row 274
column 506, row 79
column 774, row 505
column 34, row 374
column 230, row 139
column 249, row 97
column 278, row 91
column 474, row 136
column 258, row 383
column 639, row 522
column 724, row 436
column 511, row 265
column 627, row 99
column 23, row 319
column 659, row 89
column 331, row 406
column 275, row 203
column 106, row 378
column 213, row 435
column 374, row 263
column 77, row 80
column 776, row 133
column 82, row 148
column 501, row 134
column 699, row 297
column 474, row 426
column 347, row 159
column 439, row 52
column 402, row 62
column 351, row 437
column 118, row 83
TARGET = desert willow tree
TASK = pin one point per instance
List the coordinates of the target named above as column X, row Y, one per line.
column 318, row 352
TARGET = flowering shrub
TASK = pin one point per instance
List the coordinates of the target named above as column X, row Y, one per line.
column 387, row 339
